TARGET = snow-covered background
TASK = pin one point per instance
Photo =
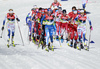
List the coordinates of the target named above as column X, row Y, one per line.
column 29, row 57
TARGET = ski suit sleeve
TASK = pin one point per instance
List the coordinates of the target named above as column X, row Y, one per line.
column 60, row 4
column 51, row 6
column 42, row 19
column 4, row 20
column 28, row 16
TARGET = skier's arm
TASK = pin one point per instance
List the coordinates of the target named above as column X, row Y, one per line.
column 27, row 17
column 51, row 6
column 59, row 4
column 42, row 19
column 4, row 20
column 89, row 22
column 4, row 23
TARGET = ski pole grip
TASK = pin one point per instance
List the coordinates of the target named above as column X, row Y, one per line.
column 91, row 28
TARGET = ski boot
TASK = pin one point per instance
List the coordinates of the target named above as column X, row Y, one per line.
column 57, row 38
column 8, row 43
column 86, row 47
column 71, row 44
column 62, row 40
column 46, row 48
column 54, row 38
column 81, row 45
column 13, row 43
column 29, row 37
column 75, row 45
column 51, row 46
column 78, row 47
column 34, row 40
column 44, row 45
column 67, row 40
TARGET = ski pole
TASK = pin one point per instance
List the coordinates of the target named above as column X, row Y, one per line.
column 20, row 34
column 89, row 39
column 1, row 34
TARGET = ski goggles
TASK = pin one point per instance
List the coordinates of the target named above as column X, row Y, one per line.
column 11, row 12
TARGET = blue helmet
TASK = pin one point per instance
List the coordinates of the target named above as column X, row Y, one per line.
column 49, row 10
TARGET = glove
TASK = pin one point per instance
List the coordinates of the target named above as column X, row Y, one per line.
column 27, row 24
column 91, row 27
column 2, row 28
column 17, row 19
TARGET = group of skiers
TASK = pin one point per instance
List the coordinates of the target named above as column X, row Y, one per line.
column 53, row 23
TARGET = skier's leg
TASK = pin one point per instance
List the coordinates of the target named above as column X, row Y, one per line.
column 71, row 38
column 84, row 36
column 57, row 28
column 51, row 34
column 47, row 36
column 13, row 32
column 8, row 35
column 54, row 28
column 9, row 31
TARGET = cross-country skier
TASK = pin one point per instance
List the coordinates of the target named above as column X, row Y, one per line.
column 58, row 22
column 70, row 14
column 82, row 27
column 37, row 24
column 10, row 17
column 43, row 22
column 49, row 28
column 73, row 30
column 55, row 4
column 64, row 24
column 30, row 22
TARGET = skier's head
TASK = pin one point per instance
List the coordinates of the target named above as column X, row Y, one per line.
column 75, row 12
column 78, row 11
column 55, row 1
column 35, row 6
column 45, row 10
column 82, row 11
column 60, row 9
column 32, row 9
column 37, row 10
column 64, row 12
column 11, row 11
column 56, row 10
column 49, row 10
column 73, row 8
column 40, row 9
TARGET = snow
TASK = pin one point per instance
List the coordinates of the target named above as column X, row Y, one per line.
column 29, row 57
